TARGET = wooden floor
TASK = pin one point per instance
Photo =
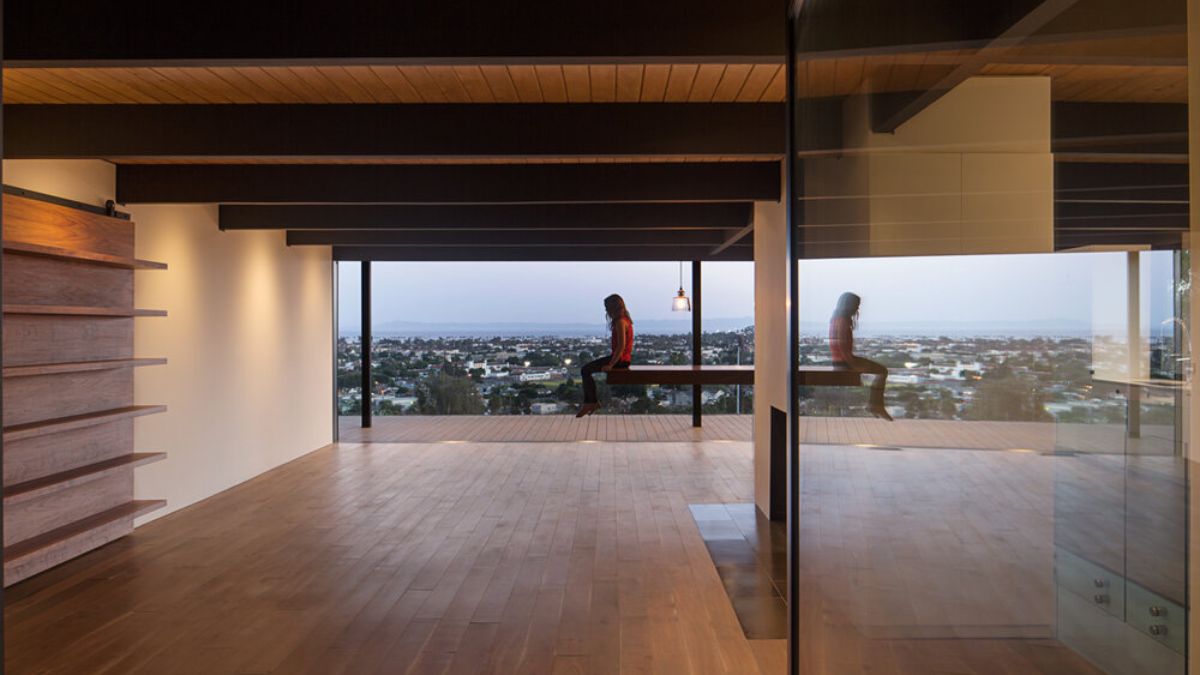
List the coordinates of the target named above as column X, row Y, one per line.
column 416, row 558
column 558, row 558
column 678, row 428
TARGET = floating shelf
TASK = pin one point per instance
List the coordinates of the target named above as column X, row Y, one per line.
column 57, row 253
column 79, row 367
column 63, row 536
column 34, row 429
column 74, row 310
column 39, row 487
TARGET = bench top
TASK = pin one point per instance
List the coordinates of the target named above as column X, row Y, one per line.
column 809, row 376
column 655, row 374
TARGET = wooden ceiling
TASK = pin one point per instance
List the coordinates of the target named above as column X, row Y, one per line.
column 563, row 83
column 1144, row 68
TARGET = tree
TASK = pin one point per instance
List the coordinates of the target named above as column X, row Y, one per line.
column 1008, row 400
column 569, row 392
column 947, row 405
column 445, row 394
column 349, row 378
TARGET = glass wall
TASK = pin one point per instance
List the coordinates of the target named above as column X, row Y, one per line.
column 348, row 352
column 991, row 222
column 510, row 338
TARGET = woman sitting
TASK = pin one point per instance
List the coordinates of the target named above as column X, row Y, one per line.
column 621, row 327
column 841, row 347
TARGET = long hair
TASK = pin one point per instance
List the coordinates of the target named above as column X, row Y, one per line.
column 614, row 309
column 847, row 308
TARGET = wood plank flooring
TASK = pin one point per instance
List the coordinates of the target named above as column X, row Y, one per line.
column 678, row 428
column 559, row 558
column 417, row 558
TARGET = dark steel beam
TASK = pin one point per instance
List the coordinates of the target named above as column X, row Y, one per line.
column 505, row 238
column 446, row 31
column 365, row 357
column 1154, row 129
column 1120, row 182
column 546, row 253
column 538, row 217
column 379, row 130
column 867, row 27
column 448, row 184
column 697, row 348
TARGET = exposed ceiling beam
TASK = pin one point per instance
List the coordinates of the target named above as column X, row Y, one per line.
column 506, row 238
column 379, row 130
column 1121, row 182
column 734, row 238
column 533, row 217
column 71, row 32
column 1024, row 27
column 449, row 184
column 549, row 254
column 876, row 27
column 1148, row 129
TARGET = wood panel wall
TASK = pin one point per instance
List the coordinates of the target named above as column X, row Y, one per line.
column 68, row 403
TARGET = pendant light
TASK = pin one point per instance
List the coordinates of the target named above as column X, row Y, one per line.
column 681, row 303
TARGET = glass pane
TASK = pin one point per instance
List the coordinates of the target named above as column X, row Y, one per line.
column 349, row 343
column 993, row 233
column 510, row 338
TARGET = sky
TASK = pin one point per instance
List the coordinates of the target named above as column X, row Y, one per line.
column 542, row 292
column 1085, row 288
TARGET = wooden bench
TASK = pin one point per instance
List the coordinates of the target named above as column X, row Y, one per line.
column 828, row 376
column 809, row 376
column 682, row 375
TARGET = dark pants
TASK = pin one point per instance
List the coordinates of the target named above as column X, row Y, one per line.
column 589, row 376
column 869, row 367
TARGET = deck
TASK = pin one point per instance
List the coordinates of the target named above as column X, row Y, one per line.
column 1038, row 436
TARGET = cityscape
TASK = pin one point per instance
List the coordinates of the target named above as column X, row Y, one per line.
column 985, row 378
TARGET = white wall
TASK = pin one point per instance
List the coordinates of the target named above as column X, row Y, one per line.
column 90, row 181
column 248, row 337
column 770, row 337
column 972, row 173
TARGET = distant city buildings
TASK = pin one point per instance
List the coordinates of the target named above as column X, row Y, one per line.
column 964, row 378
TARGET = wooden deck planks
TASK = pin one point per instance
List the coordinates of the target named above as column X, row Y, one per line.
column 1037, row 436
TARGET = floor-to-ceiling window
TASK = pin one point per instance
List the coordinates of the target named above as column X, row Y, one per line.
column 509, row 338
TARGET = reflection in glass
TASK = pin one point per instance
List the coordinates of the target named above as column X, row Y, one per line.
column 1026, row 269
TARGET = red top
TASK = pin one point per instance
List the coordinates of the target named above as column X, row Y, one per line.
column 627, row 352
column 841, row 339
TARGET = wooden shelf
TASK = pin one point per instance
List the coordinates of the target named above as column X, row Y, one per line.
column 34, row 429
column 57, row 253
column 68, row 534
column 79, row 367
column 73, row 310
column 21, row 492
